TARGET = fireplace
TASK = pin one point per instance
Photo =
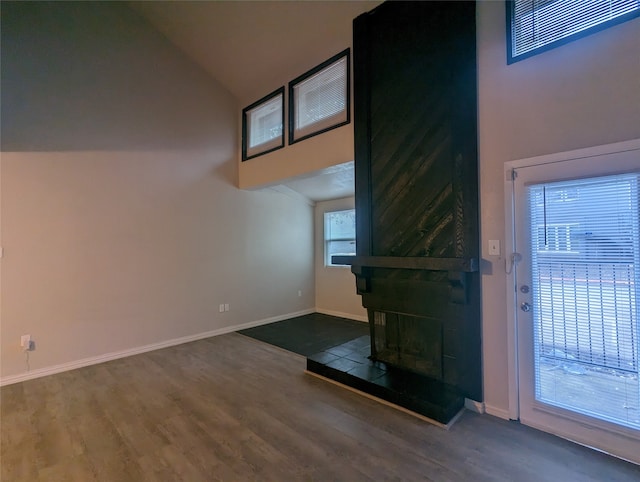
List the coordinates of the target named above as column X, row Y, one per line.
column 407, row 341
column 423, row 349
column 416, row 198
column 424, row 316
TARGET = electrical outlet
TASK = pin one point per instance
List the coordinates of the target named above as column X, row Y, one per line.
column 221, row 308
column 299, row 293
column 25, row 342
column 226, row 307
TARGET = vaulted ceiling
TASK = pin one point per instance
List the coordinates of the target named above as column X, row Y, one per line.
column 253, row 47
column 249, row 46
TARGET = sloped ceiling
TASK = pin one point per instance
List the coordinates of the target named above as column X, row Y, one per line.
column 251, row 47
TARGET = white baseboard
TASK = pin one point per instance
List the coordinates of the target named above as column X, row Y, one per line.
column 272, row 319
column 474, row 406
column 84, row 362
column 349, row 316
column 497, row 412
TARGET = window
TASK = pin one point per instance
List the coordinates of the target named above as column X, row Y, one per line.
column 534, row 26
column 585, row 275
column 568, row 226
column 319, row 99
column 262, row 125
column 556, row 238
column 339, row 234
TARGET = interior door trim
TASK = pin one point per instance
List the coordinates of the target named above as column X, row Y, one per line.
column 509, row 172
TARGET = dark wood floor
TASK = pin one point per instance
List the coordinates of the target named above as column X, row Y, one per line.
column 235, row 409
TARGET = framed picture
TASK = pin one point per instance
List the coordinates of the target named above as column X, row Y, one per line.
column 319, row 100
column 263, row 125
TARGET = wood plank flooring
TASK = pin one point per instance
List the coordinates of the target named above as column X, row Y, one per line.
column 232, row 408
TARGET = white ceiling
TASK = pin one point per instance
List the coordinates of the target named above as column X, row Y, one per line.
column 251, row 46
column 331, row 183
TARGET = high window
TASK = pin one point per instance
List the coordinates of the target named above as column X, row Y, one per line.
column 319, row 99
column 534, row 26
column 262, row 125
column 339, row 234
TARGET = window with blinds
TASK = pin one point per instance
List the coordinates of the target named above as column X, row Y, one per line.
column 537, row 25
column 586, row 286
column 319, row 99
column 262, row 125
column 339, row 234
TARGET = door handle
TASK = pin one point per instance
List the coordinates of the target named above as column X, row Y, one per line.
column 526, row 307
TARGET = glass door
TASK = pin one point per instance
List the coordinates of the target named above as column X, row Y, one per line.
column 577, row 229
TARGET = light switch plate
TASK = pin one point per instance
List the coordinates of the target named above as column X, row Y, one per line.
column 494, row 247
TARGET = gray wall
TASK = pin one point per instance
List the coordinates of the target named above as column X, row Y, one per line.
column 121, row 222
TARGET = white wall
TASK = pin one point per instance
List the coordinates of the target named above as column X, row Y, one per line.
column 308, row 156
column 582, row 94
column 335, row 285
column 121, row 221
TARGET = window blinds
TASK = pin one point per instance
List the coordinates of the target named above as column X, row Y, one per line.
column 585, row 244
column 320, row 101
column 339, row 234
column 264, row 125
column 538, row 23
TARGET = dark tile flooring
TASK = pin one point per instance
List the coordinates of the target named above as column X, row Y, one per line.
column 308, row 334
column 350, row 365
column 339, row 349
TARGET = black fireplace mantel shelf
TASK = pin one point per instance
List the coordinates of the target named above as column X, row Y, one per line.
column 466, row 265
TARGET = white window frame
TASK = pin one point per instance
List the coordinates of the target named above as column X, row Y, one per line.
column 512, row 257
column 327, row 239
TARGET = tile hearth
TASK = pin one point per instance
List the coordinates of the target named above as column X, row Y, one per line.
column 349, row 364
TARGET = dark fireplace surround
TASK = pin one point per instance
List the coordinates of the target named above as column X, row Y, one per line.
column 417, row 261
column 407, row 341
